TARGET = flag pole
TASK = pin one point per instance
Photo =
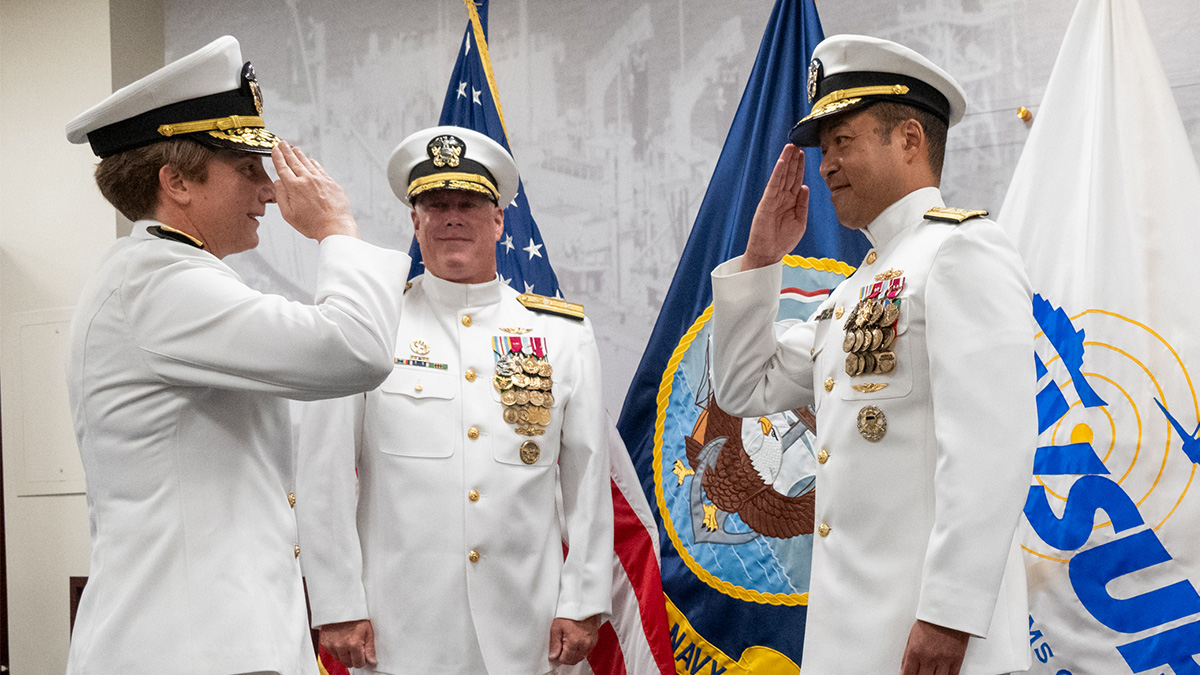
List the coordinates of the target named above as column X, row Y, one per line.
column 485, row 57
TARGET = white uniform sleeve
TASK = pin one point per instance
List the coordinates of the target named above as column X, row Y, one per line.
column 753, row 372
column 980, row 340
column 586, row 583
column 328, row 436
column 197, row 324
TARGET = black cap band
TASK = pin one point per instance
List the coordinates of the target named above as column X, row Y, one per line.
column 919, row 95
column 143, row 129
column 465, row 167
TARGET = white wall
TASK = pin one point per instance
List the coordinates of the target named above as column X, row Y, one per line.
column 54, row 63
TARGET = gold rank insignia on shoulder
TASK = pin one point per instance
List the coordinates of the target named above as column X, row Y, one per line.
column 541, row 303
column 946, row 214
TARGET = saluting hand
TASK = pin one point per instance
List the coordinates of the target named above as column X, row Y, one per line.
column 570, row 640
column 309, row 199
column 782, row 212
column 351, row 642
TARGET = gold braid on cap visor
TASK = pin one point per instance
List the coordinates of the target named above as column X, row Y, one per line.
column 844, row 97
column 454, row 181
column 220, row 123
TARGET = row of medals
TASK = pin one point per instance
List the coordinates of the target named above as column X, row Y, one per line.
column 870, row 332
column 524, row 384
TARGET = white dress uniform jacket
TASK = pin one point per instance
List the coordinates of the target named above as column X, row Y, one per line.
column 175, row 374
column 919, row 524
column 457, row 558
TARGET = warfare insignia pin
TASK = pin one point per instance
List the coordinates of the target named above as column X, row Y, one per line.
column 446, row 150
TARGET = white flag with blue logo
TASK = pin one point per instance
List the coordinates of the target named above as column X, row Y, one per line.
column 1104, row 207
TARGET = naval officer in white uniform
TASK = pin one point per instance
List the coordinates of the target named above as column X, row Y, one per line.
column 178, row 374
column 437, row 546
column 920, row 367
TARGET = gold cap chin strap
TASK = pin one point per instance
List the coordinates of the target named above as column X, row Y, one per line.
column 220, row 123
column 859, row 92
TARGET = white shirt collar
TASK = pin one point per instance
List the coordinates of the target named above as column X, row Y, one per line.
column 902, row 214
column 461, row 295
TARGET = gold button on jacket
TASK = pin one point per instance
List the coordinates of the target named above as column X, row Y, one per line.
column 829, row 384
column 292, row 499
column 473, row 433
column 296, row 550
column 473, row 556
column 470, row 375
column 473, row 495
column 823, row 456
column 823, row 530
column 466, row 320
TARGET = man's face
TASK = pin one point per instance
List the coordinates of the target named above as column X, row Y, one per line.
column 226, row 207
column 863, row 173
column 458, row 231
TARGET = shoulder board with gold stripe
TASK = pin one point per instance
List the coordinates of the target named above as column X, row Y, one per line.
column 946, row 214
column 541, row 303
column 165, row 232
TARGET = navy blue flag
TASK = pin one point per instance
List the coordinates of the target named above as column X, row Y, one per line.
column 473, row 102
column 736, row 597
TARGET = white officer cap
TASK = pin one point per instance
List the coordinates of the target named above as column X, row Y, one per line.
column 208, row 96
column 452, row 158
column 848, row 72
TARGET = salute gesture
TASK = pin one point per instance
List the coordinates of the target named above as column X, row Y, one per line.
column 309, row 199
column 782, row 213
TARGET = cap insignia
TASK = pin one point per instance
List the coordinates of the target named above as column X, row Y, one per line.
column 251, row 81
column 815, row 70
column 446, row 150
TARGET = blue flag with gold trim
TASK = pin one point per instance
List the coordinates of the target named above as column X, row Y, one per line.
column 736, row 596
column 473, row 102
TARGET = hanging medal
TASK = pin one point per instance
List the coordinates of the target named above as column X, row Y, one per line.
column 524, row 378
column 871, row 326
